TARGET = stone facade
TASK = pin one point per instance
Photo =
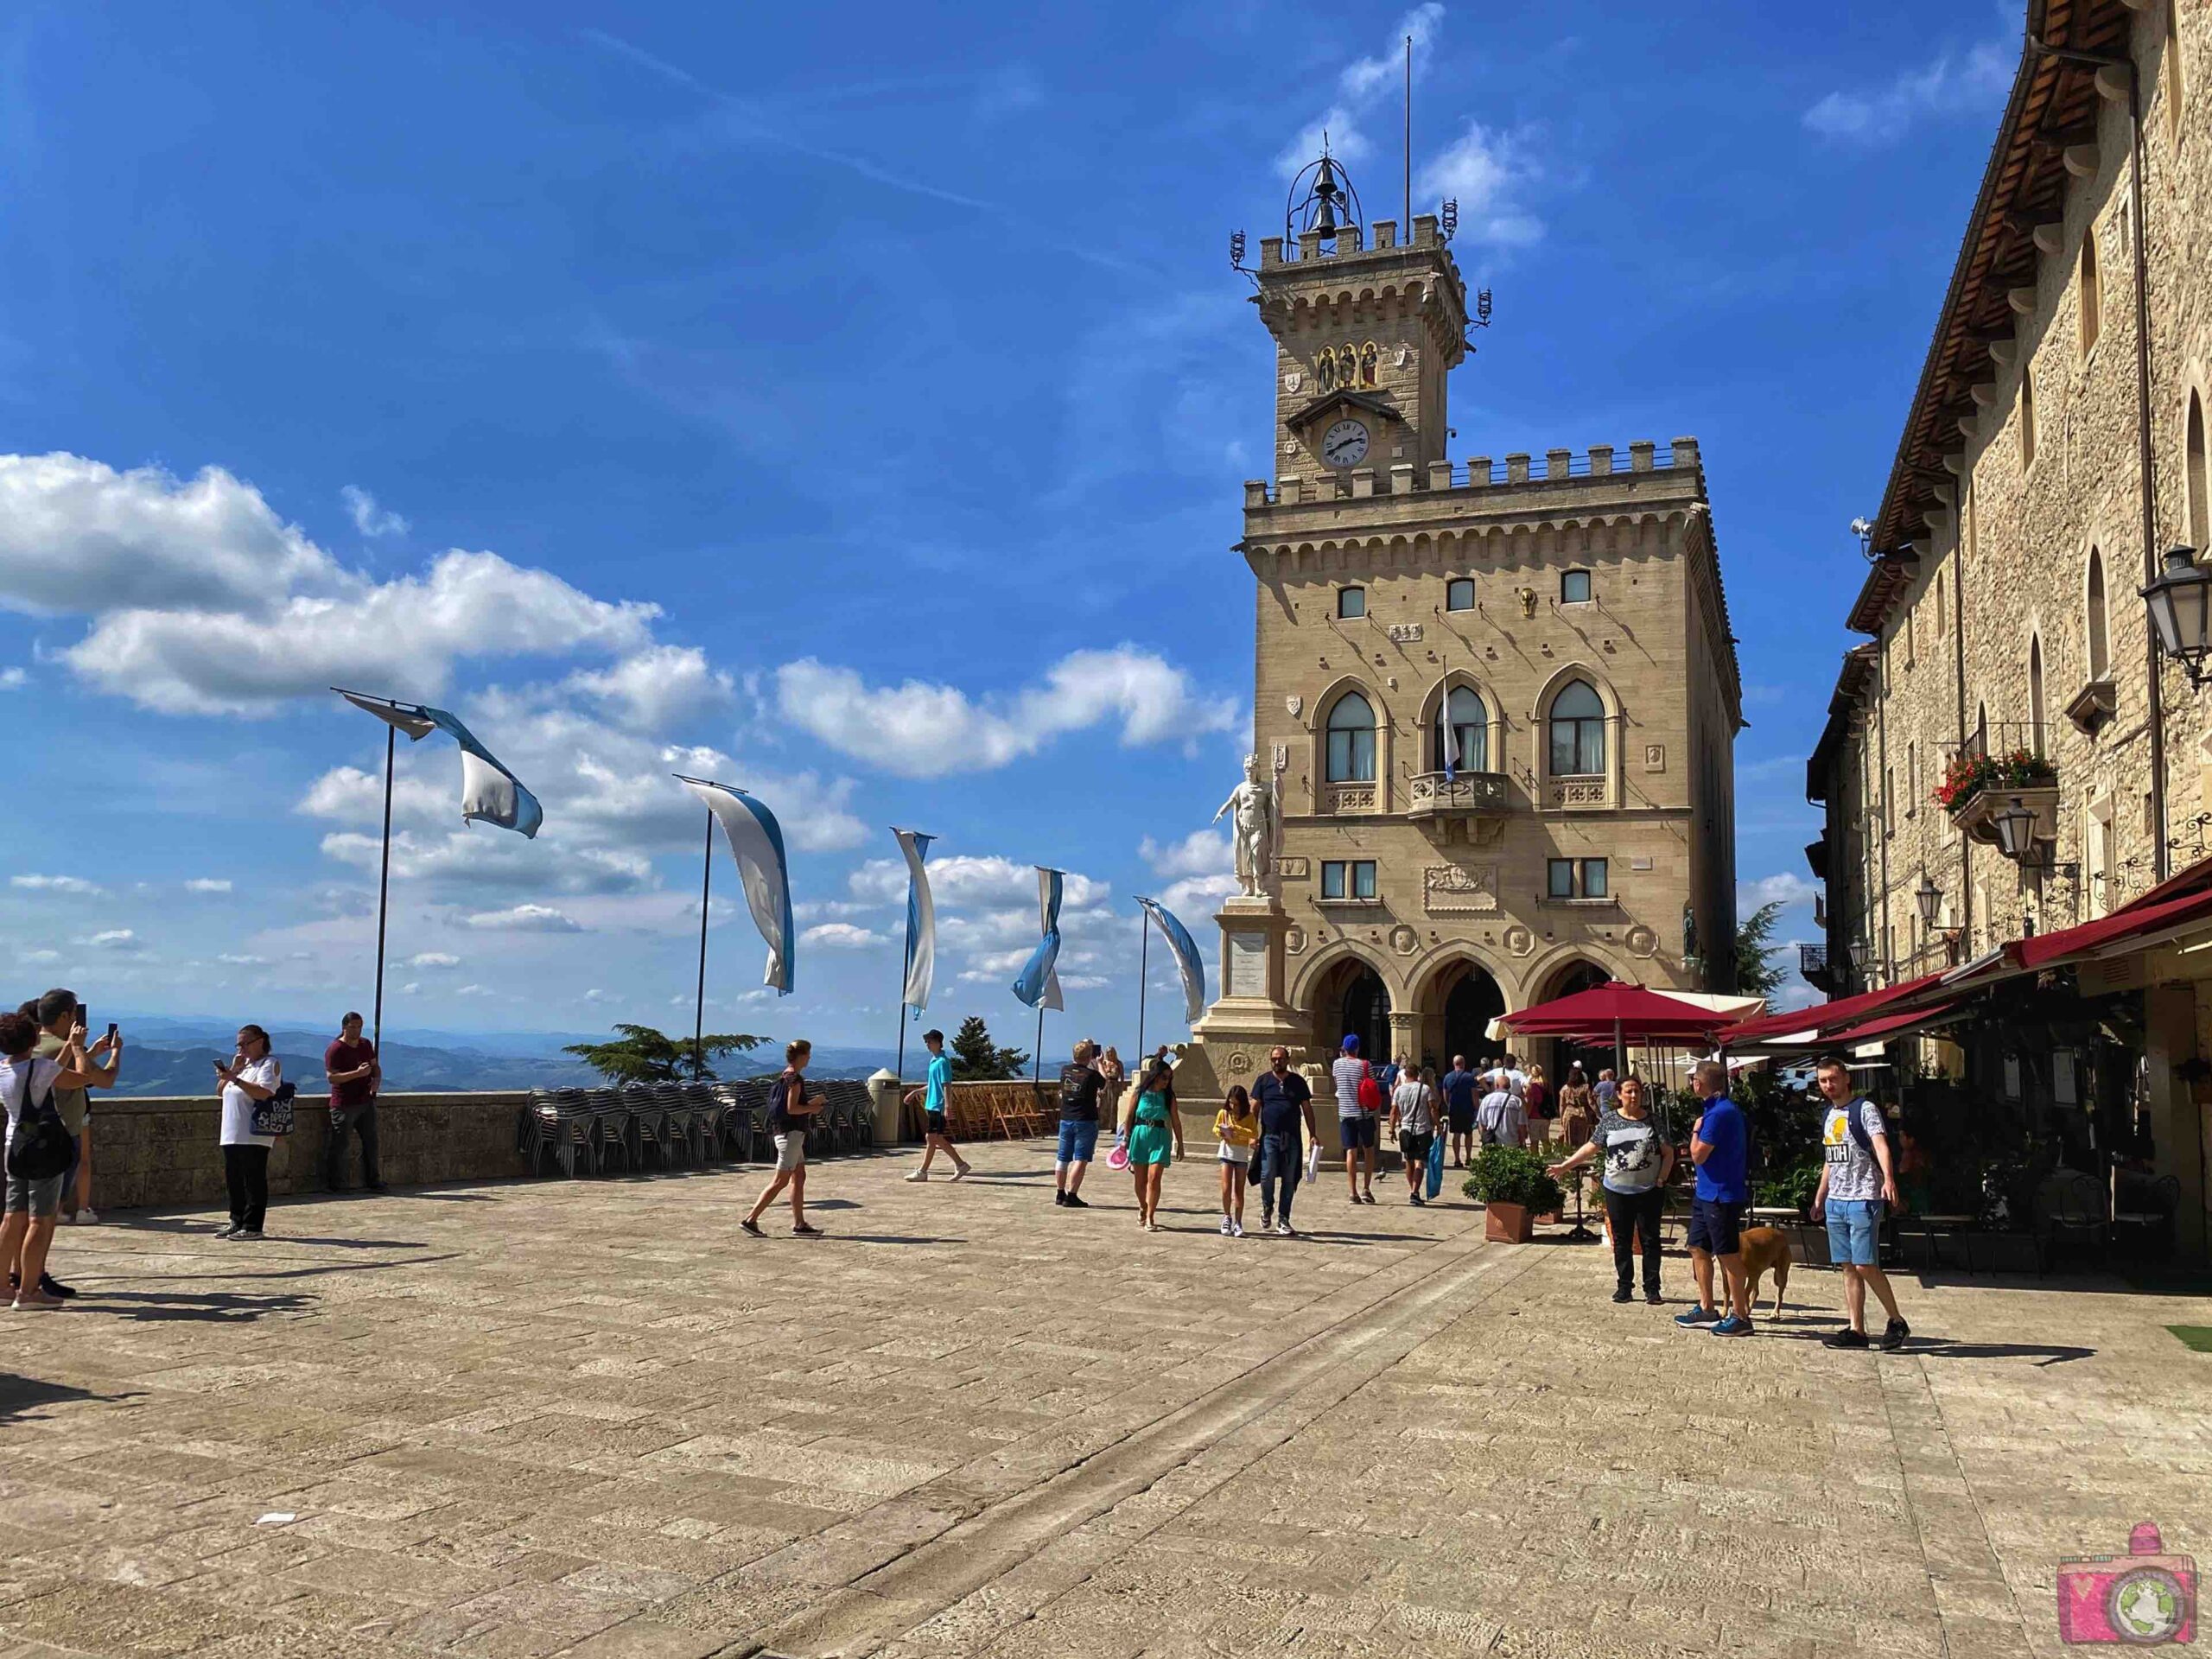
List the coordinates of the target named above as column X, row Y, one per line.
column 2015, row 613
column 1414, row 908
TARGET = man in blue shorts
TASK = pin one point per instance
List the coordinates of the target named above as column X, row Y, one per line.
column 1719, row 1148
column 1463, row 1092
column 1858, row 1182
column 938, row 1136
column 1357, row 1126
column 1082, row 1088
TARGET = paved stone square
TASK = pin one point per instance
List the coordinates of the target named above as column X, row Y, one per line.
column 594, row 1419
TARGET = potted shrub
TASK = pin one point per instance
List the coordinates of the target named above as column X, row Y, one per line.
column 1514, row 1189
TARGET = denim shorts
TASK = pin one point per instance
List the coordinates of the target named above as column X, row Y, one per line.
column 1078, row 1139
column 1855, row 1231
column 38, row 1198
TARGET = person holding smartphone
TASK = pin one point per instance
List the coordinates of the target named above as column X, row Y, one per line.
column 61, row 1012
column 27, row 1082
column 252, row 1075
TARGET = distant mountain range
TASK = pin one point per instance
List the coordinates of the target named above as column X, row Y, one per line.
column 166, row 1055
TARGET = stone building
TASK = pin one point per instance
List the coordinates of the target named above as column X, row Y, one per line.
column 2052, row 452
column 1555, row 622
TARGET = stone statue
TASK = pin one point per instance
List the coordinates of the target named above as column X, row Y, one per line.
column 1253, row 803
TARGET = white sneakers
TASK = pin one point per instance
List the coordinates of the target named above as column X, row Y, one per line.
column 1224, row 1226
column 919, row 1175
column 1237, row 1230
column 87, row 1217
column 1282, row 1230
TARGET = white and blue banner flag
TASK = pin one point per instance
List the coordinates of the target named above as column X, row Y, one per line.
column 756, row 841
column 489, row 792
column 1039, row 984
column 1451, row 740
column 921, row 920
column 1193, row 966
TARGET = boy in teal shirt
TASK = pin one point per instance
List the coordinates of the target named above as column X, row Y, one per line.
column 934, row 1102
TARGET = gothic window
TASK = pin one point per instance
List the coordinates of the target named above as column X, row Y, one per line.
column 1352, row 740
column 2034, row 695
column 2200, row 531
column 1470, row 725
column 1459, row 594
column 2176, row 83
column 2027, row 417
column 1352, row 602
column 2100, row 637
column 1577, row 731
column 2093, row 292
column 1369, row 358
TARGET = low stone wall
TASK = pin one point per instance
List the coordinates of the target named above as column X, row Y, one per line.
column 167, row 1151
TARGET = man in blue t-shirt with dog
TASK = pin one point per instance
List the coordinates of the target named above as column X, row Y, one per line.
column 1719, row 1148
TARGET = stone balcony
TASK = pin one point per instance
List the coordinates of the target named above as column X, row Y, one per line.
column 1432, row 796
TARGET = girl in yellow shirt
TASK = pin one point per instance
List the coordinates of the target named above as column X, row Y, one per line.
column 1237, row 1126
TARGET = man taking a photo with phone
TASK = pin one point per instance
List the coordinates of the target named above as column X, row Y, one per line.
column 355, row 1076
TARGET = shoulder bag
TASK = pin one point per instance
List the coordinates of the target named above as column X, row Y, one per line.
column 274, row 1115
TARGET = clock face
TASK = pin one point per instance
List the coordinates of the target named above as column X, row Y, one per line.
column 1345, row 444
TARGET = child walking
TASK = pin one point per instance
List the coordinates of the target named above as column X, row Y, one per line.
column 1238, row 1127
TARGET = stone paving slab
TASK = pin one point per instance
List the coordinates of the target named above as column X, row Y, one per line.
column 594, row 1419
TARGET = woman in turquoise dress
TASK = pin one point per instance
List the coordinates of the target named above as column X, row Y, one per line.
column 1155, row 1135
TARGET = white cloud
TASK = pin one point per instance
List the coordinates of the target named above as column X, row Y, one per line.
column 433, row 959
column 230, row 609
column 1360, row 87
column 1783, row 889
column 920, row 729
column 115, row 939
column 70, row 884
column 966, row 879
column 347, row 794
column 13, row 679
column 1202, row 852
column 842, row 936
column 38, row 955
column 243, row 961
column 1971, row 83
column 476, row 990
column 491, row 857
column 818, row 910
column 1195, row 899
column 523, row 919
column 207, row 884
column 1488, row 171
column 656, row 688
column 368, row 518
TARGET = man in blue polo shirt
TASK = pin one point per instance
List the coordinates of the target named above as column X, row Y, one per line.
column 1718, row 1147
column 1463, row 1092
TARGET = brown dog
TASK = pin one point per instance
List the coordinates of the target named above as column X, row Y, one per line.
column 1764, row 1248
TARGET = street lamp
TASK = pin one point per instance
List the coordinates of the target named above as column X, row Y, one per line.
column 2016, row 831
column 1931, row 900
column 2181, row 610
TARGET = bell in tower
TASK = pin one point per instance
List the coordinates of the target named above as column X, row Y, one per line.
column 1325, row 207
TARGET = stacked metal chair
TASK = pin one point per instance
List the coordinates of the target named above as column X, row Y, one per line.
column 613, row 1129
column 560, row 1122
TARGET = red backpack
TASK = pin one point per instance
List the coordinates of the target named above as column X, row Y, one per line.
column 1371, row 1091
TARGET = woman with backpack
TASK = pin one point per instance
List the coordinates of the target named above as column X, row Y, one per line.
column 37, row 1152
column 254, row 1075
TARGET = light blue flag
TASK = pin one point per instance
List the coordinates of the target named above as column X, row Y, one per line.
column 1187, row 960
column 489, row 792
column 756, row 841
column 1040, row 983
column 921, row 920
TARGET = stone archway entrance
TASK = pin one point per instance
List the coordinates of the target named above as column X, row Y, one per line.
column 1471, row 1000
column 1350, row 999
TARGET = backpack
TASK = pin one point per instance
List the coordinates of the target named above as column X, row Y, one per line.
column 40, row 1147
column 1371, row 1091
column 1851, row 1122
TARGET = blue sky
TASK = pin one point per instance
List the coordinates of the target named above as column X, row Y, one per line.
column 847, row 400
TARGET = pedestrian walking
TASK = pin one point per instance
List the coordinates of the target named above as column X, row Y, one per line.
column 253, row 1075
column 1412, row 1120
column 1606, row 1089
column 1500, row 1120
column 791, row 1109
column 36, row 1170
column 1537, row 1096
column 1156, row 1133
column 1859, row 1182
column 1635, row 1161
column 1463, row 1092
column 356, row 1077
column 936, row 1100
column 1082, row 1085
column 1717, row 1148
column 1285, row 1104
column 1578, row 1107
column 1238, row 1127
column 1359, row 1118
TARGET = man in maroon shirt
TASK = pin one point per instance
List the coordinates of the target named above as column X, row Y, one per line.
column 351, row 1064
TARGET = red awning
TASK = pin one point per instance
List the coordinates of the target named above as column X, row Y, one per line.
column 1823, row 1016
column 1617, row 1008
column 2137, row 927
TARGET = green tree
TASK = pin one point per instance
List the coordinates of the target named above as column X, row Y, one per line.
column 644, row 1055
column 1756, row 972
column 976, row 1058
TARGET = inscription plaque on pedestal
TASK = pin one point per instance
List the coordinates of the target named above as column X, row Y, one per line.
column 1247, row 965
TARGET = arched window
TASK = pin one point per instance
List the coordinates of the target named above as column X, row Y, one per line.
column 1577, row 731
column 2100, row 637
column 2034, row 695
column 2027, row 417
column 1459, row 594
column 1352, row 740
column 2199, row 534
column 1470, row 724
column 2176, row 79
column 2093, row 293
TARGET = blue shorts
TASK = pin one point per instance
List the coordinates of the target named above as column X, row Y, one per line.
column 1855, row 1231
column 1077, row 1141
column 1716, row 1227
column 1359, row 1133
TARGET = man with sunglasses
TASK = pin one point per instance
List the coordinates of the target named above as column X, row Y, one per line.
column 1284, row 1104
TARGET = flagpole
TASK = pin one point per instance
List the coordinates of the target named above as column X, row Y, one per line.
column 699, row 1012
column 905, row 966
column 1144, row 947
column 1038, row 1080
column 384, row 882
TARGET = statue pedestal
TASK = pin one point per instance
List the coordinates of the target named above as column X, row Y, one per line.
column 1229, row 1043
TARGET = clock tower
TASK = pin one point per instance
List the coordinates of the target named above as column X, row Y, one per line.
column 1364, row 337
